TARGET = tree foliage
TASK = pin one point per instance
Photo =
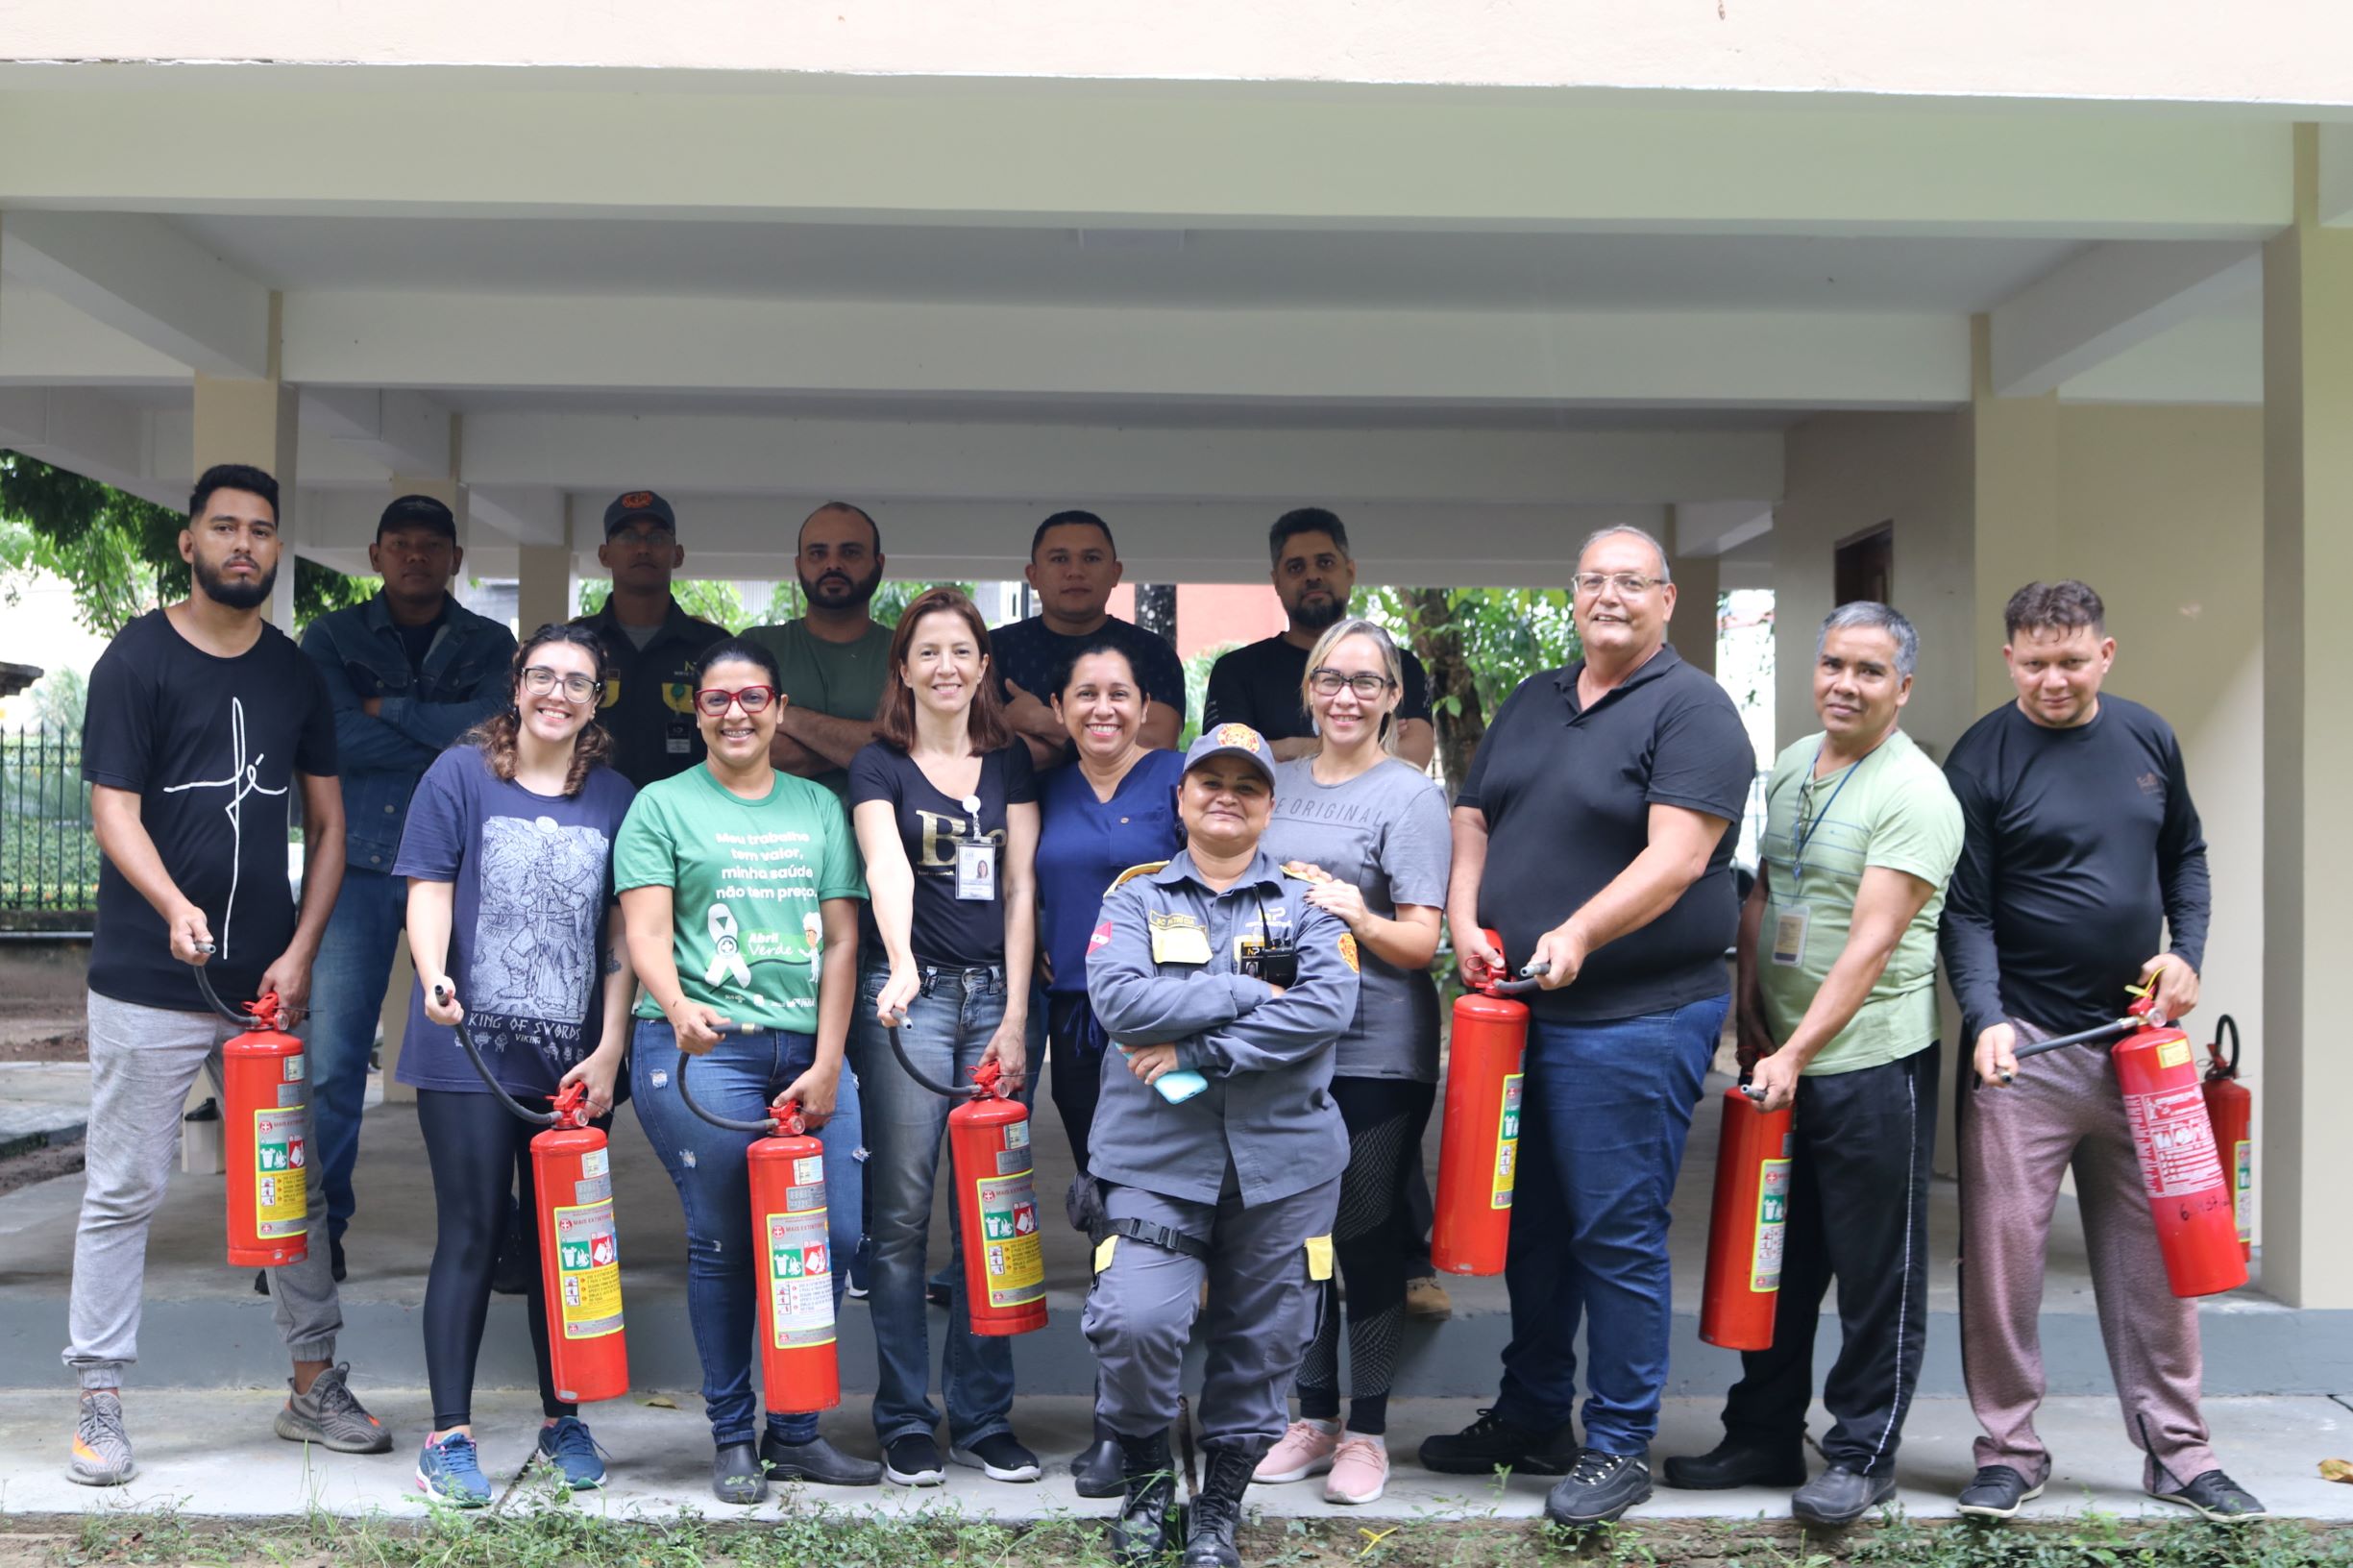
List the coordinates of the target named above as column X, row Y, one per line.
column 723, row 605
column 120, row 552
column 1477, row 643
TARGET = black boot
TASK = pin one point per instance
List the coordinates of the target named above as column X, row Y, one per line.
column 1140, row 1533
column 1217, row 1510
column 1098, row 1469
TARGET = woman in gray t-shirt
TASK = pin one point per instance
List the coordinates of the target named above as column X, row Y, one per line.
column 1372, row 832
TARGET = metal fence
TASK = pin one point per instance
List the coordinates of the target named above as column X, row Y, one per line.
column 48, row 853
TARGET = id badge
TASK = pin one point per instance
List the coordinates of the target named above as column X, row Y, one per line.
column 1789, row 927
column 1179, row 944
column 679, row 740
column 976, row 871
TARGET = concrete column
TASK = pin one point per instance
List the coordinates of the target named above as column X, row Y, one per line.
column 2014, row 499
column 2307, row 750
column 1698, row 579
column 255, row 422
column 543, row 591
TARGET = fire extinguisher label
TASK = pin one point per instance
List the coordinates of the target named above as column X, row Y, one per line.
column 595, row 1164
column 294, row 1068
column 800, row 1279
column 281, row 1179
column 809, row 1170
column 588, row 1270
column 1506, row 1146
column 290, row 1094
column 1010, row 1257
column 1017, row 1134
column 2175, row 1142
column 2242, row 1190
column 1772, row 1225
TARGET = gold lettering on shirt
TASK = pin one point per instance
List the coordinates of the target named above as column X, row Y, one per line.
column 942, row 833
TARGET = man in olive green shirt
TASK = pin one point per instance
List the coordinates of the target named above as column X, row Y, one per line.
column 836, row 659
column 1837, row 994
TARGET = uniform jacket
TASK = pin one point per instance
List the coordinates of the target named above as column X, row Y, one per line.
column 1269, row 1059
column 649, row 703
column 463, row 682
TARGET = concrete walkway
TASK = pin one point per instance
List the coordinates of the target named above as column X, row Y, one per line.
column 212, row 1453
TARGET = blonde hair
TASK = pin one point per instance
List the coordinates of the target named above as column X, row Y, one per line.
column 1392, row 664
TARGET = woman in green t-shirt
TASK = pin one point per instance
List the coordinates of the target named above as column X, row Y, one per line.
column 740, row 891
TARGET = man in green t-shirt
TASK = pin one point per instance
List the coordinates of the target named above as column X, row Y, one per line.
column 836, row 659
column 1837, row 995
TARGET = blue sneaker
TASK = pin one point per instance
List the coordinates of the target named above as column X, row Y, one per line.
column 568, row 1446
column 451, row 1471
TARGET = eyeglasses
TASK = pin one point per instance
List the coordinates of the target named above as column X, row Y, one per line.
column 714, row 701
column 539, row 680
column 1367, row 686
column 1625, row 583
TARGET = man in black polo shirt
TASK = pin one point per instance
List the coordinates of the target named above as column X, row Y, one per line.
column 1073, row 565
column 1591, row 835
column 1258, row 684
column 649, row 643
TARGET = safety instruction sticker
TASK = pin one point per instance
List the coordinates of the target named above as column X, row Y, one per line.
column 2175, row 1140
column 1771, row 1226
column 588, row 1270
column 281, row 1179
column 1011, row 1262
column 2242, row 1190
column 800, row 1279
column 1506, row 1146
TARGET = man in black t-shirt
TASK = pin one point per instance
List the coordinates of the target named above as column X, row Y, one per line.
column 1591, row 834
column 1073, row 565
column 205, row 724
column 1258, row 684
column 2083, row 871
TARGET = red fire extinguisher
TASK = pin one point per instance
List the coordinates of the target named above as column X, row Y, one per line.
column 1748, row 1223
column 579, row 1246
column 2232, row 1110
column 787, row 1163
column 2164, row 1104
column 1479, row 1141
column 997, row 1200
column 264, row 1134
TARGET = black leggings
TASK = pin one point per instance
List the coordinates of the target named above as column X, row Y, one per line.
column 1373, row 1237
column 479, row 1151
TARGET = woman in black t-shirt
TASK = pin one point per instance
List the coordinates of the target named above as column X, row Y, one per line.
column 946, row 817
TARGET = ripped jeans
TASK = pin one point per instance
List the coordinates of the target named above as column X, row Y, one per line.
column 706, row 1164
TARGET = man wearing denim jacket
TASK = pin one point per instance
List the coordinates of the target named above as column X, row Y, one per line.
column 409, row 671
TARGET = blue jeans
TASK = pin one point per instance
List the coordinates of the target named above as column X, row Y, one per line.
column 707, row 1164
column 948, row 1025
column 347, row 996
column 1604, row 1111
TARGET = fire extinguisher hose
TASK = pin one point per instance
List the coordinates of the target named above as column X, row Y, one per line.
column 950, row 1091
column 2081, row 1036
column 2224, row 1067
column 766, row 1127
column 212, row 998
column 473, row 1054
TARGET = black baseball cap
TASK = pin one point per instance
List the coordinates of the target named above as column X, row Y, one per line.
column 630, row 505
column 417, row 512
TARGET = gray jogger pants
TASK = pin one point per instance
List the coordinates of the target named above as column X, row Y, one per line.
column 142, row 1061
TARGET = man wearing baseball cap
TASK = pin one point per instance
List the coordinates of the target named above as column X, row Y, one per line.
column 649, row 643
column 1217, row 1148
column 409, row 671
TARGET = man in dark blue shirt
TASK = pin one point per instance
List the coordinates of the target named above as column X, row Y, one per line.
column 1073, row 565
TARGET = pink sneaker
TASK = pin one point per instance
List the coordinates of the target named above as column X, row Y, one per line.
column 1306, row 1450
column 1360, row 1471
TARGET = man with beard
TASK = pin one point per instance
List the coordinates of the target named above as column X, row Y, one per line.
column 650, row 643
column 1259, row 685
column 835, row 658
column 205, row 724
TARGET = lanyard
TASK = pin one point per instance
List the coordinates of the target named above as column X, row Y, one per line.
column 1806, row 835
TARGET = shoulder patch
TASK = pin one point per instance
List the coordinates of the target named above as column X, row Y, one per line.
column 1134, row 871
column 1348, row 950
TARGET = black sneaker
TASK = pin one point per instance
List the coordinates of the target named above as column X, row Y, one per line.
column 817, row 1460
column 999, row 1456
column 1598, row 1488
column 1840, row 1496
column 1730, row 1464
column 1491, row 1442
column 913, row 1460
column 1998, row 1492
column 2217, row 1496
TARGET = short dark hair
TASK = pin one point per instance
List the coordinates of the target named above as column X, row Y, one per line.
column 1088, row 649
column 231, row 476
column 858, row 512
column 738, row 647
column 1071, row 518
column 2054, row 606
column 1301, row 520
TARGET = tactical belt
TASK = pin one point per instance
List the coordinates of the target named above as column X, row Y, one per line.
column 1158, row 1236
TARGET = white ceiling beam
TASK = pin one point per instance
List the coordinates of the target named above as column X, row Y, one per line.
column 1085, row 465
column 87, row 432
column 2209, row 359
column 2112, row 296
column 2336, row 175
column 1794, row 359
column 407, row 431
column 46, row 342
column 142, row 276
column 1089, row 155
column 1710, row 528
column 521, row 514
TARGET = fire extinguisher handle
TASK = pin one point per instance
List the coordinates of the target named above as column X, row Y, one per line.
column 473, row 1054
column 765, row 1126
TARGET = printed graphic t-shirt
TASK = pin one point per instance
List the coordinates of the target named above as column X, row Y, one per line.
column 745, row 879
column 211, row 746
column 530, row 883
column 945, row 929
